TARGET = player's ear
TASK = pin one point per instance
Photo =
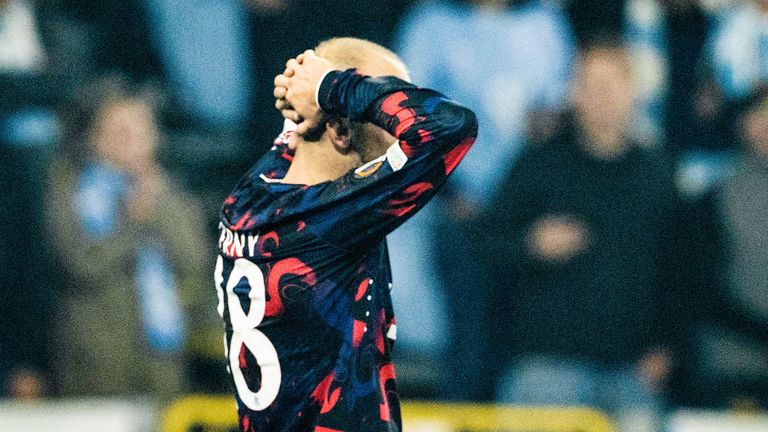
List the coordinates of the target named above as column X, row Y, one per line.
column 339, row 132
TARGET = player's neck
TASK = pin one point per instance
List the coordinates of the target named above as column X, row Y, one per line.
column 317, row 162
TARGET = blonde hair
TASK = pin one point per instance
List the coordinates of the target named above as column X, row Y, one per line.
column 369, row 57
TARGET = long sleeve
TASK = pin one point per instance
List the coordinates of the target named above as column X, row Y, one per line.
column 418, row 118
column 433, row 135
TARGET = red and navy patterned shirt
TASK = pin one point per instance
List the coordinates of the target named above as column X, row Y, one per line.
column 303, row 275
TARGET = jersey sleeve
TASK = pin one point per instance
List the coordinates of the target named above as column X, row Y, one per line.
column 433, row 134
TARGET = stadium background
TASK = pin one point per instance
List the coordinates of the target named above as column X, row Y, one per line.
column 205, row 69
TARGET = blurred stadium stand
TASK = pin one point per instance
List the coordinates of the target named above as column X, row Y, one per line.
column 207, row 413
column 700, row 66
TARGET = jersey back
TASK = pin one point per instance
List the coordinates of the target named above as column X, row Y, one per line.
column 303, row 275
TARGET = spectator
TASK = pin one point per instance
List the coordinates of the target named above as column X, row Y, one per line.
column 578, row 248
column 665, row 39
column 504, row 59
column 730, row 363
column 132, row 244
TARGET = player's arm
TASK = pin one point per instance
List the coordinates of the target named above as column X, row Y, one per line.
column 422, row 120
column 433, row 134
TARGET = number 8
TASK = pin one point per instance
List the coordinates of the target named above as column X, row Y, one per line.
column 245, row 333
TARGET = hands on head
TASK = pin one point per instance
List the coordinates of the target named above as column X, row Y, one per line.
column 295, row 90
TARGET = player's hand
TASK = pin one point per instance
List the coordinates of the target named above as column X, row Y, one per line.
column 295, row 90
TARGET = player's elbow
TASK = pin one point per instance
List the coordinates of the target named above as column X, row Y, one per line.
column 460, row 122
column 470, row 123
column 465, row 124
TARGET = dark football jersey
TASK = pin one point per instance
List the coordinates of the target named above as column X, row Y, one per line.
column 303, row 275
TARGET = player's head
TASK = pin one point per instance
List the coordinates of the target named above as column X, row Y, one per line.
column 370, row 59
column 604, row 91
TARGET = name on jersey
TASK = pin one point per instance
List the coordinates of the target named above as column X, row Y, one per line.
column 237, row 245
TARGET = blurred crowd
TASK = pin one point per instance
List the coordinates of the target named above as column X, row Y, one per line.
column 604, row 244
